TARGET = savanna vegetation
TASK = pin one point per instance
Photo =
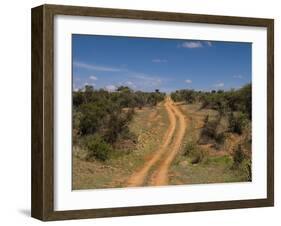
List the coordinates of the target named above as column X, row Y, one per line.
column 239, row 100
column 225, row 128
column 101, row 119
column 121, row 138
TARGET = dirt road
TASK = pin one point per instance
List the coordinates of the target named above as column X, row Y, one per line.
column 162, row 158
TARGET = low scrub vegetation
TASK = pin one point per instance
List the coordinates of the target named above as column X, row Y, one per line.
column 242, row 162
column 238, row 122
column 194, row 152
column 97, row 148
column 211, row 134
column 226, row 127
column 239, row 100
column 100, row 118
column 238, row 156
column 233, row 106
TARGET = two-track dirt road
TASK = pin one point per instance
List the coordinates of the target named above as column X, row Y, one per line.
column 161, row 159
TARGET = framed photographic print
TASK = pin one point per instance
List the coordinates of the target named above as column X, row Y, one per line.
column 141, row 112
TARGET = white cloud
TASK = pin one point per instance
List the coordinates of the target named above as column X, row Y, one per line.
column 159, row 61
column 95, row 67
column 110, row 88
column 220, row 84
column 238, row 76
column 188, row 81
column 145, row 79
column 196, row 44
column 75, row 89
column 136, row 80
column 192, row 44
column 130, row 84
column 93, row 77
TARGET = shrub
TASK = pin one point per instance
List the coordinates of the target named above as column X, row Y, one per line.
column 187, row 95
column 91, row 118
column 77, row 98
column 208, row 132
column 237, row 122
column 117, row 125
column 97, row 148
column 238, row 155
column 245, row 97
column 189, row 148
column 222, row 101
column 210, row 129
column 194, row 152
column 114, row 127
column 242, row 163
column 198, row 157
column 107, row 114
column 220, row 138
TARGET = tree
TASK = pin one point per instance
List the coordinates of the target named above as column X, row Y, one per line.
column 92, row 116
column 77, row 98
column 88, row 93
column 124, row 89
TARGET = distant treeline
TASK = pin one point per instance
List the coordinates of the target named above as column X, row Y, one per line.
column 239, row 100
column 100, row 117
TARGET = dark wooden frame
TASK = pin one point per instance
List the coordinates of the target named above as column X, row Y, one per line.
column 42, row 203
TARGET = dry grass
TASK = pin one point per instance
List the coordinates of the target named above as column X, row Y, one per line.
column 149, row 125
column 217, row 162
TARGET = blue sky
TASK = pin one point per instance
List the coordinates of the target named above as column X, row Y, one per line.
column 166, row 64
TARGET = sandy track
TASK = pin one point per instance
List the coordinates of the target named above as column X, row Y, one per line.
column 138, row 178
column 167, row 151
column 160, row 176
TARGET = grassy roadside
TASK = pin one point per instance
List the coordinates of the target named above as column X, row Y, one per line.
column 149, row 125
column 216, row 164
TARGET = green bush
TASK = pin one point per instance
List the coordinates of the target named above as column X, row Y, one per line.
column 239, row 100
column 194, row 152
column 208, row 132
column 242, row 163
column 237, row 122
column 108, row 115
column 245, row 100
column 97, row 148
column 92, row 116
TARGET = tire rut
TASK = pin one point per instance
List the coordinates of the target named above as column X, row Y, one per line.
column 163, row 157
